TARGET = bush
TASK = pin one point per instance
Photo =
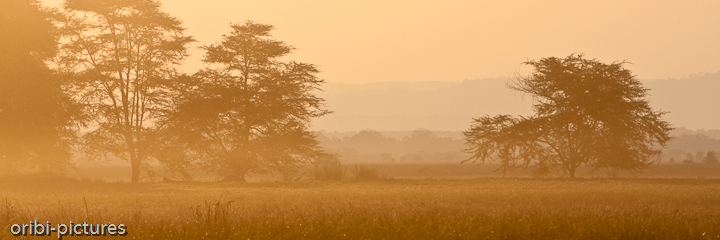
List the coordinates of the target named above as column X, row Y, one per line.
column 364, row 172
column 327, row 168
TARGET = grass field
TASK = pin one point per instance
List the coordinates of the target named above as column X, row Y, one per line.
column 121, row 173
column 488, row 208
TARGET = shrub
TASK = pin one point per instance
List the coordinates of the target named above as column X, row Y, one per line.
column 327, row 169
column 365, row 172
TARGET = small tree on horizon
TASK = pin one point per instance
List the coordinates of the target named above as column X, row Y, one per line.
column 586, row 113
column 689, row 158
column 710, row 157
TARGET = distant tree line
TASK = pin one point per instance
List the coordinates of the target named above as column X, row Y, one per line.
column 681, row 131
column 374, row 146
column 691, row 148
column 110, row 66
column 703, row 157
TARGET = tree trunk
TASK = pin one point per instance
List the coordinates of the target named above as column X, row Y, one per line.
column 135, row 166
column 571, row 172
column 134, row 159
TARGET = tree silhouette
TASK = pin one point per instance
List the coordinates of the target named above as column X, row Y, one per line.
column 689, row 158
column 121, row 52
column 37, row 118
column 710, row 157
column 250, row 112
column 586, row 113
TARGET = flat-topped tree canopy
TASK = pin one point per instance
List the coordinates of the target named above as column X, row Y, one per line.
column 586, row 113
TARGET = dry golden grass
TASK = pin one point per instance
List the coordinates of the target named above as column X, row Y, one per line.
column 393, row 209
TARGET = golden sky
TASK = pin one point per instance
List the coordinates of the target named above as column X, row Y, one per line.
column 376, row 41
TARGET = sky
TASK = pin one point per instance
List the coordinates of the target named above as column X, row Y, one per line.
column 417, row 41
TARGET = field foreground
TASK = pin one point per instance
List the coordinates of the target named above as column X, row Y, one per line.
column 392, row 209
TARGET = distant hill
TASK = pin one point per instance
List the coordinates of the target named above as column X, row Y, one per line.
column 693, row 102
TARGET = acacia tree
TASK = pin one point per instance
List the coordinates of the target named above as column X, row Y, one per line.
column 247, row 112
column 121, row 52
column 586, row 113
column 37, row 118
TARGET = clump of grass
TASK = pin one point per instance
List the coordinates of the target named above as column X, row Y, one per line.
column 212, row 213
column 8, row 211
column 213, row 219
